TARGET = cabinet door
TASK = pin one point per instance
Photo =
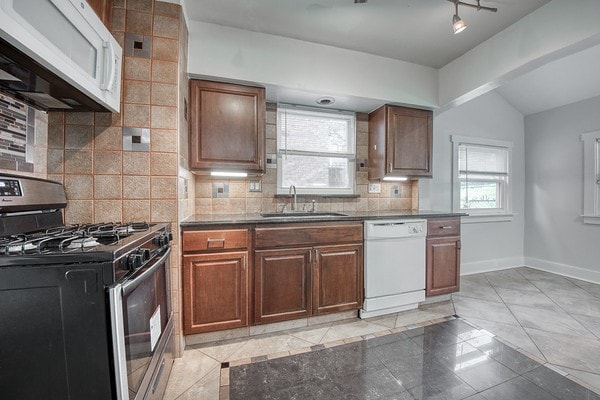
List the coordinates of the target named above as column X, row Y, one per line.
column 215, row 291
column 409, row 141
column 282, row 284
column 103, row 9
column 227, row 126
column 337, row 278
column 443, row 265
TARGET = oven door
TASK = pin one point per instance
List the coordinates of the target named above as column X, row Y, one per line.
column 140, row 312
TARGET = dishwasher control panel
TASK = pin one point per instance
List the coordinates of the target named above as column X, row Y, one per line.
column 397, row 228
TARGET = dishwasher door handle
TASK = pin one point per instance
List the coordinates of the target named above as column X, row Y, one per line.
column 390, row 224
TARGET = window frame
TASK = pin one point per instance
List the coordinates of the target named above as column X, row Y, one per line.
column 591, row 177
column 351, row 157
column 505, row 213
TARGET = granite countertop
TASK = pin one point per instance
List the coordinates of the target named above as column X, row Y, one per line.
column 199, row 220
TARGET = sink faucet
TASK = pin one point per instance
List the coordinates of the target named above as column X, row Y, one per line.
column 295, row 203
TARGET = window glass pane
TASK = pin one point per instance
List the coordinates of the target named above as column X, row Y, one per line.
column 482, row 159
column 314, row 172
column 479, row 195
column 315, row 131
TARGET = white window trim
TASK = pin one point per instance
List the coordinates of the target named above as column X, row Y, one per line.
column 351, row 158
column 504, row 215
column 591, row 161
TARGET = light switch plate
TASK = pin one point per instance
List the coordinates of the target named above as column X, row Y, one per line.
column 374, row 187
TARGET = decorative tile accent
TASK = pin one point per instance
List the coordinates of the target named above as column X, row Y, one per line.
column 136, row 139
column 138, row 45
column 220, row 190
column 16, row 130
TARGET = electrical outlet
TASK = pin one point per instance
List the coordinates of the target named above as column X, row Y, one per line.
column 374, row 187
column 254, row 186
column 395, row 191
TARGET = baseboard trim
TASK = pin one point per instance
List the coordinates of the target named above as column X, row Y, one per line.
column 563, row 269
column 490, row 265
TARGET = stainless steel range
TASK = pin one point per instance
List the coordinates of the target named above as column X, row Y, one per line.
column 85, row 309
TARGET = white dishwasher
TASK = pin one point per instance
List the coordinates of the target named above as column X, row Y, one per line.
column 394, row 266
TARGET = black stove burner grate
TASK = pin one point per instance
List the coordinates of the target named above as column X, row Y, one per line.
column 69, row 238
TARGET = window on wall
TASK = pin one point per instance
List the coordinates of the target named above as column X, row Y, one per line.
column 591, row 178
column 482, row 178
column 315, row 150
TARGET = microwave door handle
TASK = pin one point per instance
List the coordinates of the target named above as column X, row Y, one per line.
column 109, row 62
column 129, row 286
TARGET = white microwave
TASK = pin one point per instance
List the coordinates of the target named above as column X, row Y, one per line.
column 67, row 39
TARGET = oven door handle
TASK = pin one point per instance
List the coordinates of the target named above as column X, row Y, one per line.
column 129, row 286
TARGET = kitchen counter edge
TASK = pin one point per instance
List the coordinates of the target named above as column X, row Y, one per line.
column 203, row 220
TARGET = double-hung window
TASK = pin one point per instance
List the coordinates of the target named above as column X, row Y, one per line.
column 591, row 177
column 482, row 177
column 316, row 151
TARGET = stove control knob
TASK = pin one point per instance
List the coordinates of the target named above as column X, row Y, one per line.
column 169, row 237
column 145, row 253
column 134, row 261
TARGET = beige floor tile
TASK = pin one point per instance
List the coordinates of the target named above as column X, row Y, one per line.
column 206, row 388
column 347, row 329
column 268, row 345
column 388, row 321
column 187, row 371
column 483, row 309
column 548, row 320
column 221, row 351
column 313, row 335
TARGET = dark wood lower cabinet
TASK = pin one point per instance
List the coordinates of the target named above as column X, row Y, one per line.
column 443, row 265
column 337, row 278
column 282, row 284
column 215, row 291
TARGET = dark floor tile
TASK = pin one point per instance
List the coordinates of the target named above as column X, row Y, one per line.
column 518, row 388
column 443, row 387
column 560, row 386
column 457, row 327
column 385, row 339
column 515, row 360
column 313, row 390
column 417, row 370
column 397, row 351
column 289, row 371
column 483, row 375
column 433, row 341
column 349, row 359
column 477, row 396
column 458, row 355
column 372, row 384
column 422, row 330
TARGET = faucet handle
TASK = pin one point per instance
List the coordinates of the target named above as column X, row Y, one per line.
column 313, row 206
column 283, row 208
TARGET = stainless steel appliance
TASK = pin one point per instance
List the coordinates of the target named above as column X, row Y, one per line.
column 85, row 309
column 58, row 55
column 394, row 266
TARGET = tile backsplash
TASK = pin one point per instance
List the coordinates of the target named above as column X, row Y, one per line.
column 240, row 199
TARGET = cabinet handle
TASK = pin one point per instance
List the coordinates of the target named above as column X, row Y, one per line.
column 310, row 257
column 390, row 168
column 212, row 243
column 446, row 227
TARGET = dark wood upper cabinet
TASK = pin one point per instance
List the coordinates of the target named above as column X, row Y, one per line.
column 227, row 127
column 103, row 9
column 400, row 142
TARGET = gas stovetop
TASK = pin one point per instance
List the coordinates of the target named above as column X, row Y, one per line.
column 81, row 243
column 70, row 238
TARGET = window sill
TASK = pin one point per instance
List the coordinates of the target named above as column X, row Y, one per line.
column 480, row 218
column 591, row 219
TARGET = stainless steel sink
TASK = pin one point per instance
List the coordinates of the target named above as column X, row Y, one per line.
column 301, row 214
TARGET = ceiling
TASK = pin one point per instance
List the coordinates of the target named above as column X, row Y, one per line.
column 417, row 31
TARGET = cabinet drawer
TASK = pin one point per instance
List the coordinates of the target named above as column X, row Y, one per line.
column 443, row 227
column 308, row 235
column 215, row 240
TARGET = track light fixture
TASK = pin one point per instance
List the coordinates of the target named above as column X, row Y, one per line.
column 458, row 25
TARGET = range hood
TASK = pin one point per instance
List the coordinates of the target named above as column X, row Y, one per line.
column 57, row 55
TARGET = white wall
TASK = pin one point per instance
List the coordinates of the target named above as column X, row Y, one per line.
column 555, row 237
column 235, row 54
column 485, row 246
column 559, row 28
